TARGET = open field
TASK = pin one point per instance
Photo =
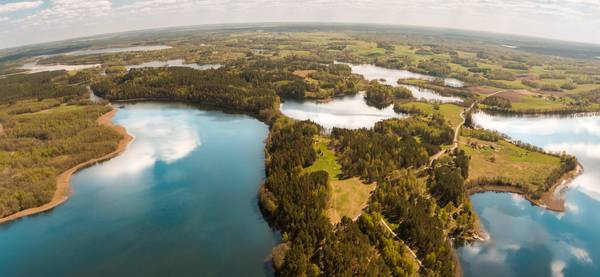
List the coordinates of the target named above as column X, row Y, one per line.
column 349, row 196
column 451, row 112
column 506, row 160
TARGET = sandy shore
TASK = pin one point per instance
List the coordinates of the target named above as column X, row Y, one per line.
column 63, row 189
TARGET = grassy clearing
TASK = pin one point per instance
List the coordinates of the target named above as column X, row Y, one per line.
column 533, row 102
column 527, row 100
column 515, row 84
column 583, row 88
column 326, row 159
column 450, row 112
column 504, row 159
column 349, row 196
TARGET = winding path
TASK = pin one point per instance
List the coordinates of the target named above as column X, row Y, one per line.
column 458, row 127
column 396, row 236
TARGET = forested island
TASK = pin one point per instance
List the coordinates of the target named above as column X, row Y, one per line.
column 410, row 177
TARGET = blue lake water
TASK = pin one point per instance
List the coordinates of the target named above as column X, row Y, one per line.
column 391, row 76
column 527, row 240
column 174, row 63
column 350, row 112
column 180, row 201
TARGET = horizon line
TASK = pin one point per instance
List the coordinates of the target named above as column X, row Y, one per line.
column 296, row 23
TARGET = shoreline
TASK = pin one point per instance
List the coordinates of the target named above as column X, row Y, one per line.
column 548, row 200
column 535, row 113
column 63, row 187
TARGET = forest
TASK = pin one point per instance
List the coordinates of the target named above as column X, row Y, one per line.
column 381, row 96
column 215, row 88
column 47, row 128
column 393, row 154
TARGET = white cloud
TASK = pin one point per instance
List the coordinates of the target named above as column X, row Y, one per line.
column 150, row 5
column 74, row 18
column 581, row 254
column 151, row 133
column 68, row 11
column 557, row 268
column 519, row 200
column 572, row 207
column 588, row 184
column 17, row 6
column 588, row 150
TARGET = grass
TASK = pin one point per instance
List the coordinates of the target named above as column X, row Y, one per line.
column 533, row 102
column 450, row 112
column 527, row 100
column 504, row 159
column 515, row 84
column 326, row 159
column 349, row 196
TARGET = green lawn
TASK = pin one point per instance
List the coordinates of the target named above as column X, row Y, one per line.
column 451, row 112
column 533, row 102
column 503, row 159
column 326, row 159
column 349, row 196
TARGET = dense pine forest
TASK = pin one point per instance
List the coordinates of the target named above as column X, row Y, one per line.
column 392, row 154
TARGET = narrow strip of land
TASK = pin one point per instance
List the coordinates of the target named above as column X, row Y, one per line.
column 63, row 189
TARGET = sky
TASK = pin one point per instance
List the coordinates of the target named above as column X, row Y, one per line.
column 35, row 21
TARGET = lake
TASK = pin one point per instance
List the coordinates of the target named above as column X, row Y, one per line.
column 391, row 77
column 527, row 240
column 430, row 95
column 176, row 63
column 180, row 201
column 34, row 67
column 118, row 50
column 351, row 112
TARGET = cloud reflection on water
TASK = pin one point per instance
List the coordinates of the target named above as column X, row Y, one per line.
column 348, row 112
column 167, row 138
column 579, row 136
column 555, row 243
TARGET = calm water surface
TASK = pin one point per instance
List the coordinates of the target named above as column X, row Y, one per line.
column 118, row 50
column 34, row 67
column 391, row 77
column 350, row 112
column 176, row 63
column 181, row 201
column 430, row 95
column 527, row 240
